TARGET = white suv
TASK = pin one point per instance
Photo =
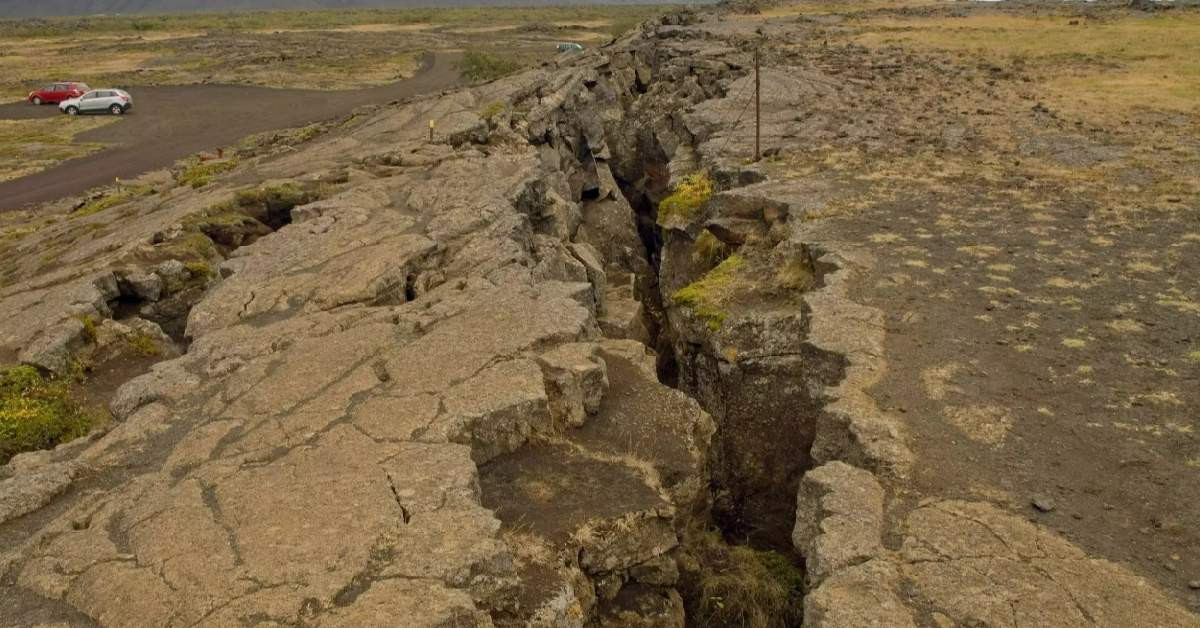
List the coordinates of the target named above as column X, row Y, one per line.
column 114, row 101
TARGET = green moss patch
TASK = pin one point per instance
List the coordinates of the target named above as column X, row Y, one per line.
column 707, row 296
column 199, row 173
column 38, row 413
column 686, row 199
column 189, row 247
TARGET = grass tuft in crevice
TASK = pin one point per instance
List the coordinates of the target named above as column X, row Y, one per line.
column 708, row 249
column 734, row 585
column 706, row 296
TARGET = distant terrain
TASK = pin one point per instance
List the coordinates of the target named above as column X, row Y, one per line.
column 347, row 49
column 45, row 8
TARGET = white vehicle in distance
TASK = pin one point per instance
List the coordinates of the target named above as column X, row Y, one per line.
column 114, row 101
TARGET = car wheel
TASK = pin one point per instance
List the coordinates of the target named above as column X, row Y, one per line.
column 72, row 110
column 36, row 100
column 116, row 110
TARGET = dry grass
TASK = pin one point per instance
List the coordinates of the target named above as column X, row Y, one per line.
column 1118, row 64
column 369, row 71
column 112, row 198
column 527, row 547
column 148, row 26
column 23, row 68
column 734, row 585
column 709, row 250
column 162, row 50
column 828, row 7
column 29, row 146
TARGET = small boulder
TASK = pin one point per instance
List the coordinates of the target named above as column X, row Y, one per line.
column 143, row 285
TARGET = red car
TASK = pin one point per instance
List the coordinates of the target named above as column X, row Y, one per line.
column 57, row 92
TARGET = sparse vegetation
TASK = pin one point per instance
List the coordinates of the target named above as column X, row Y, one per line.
column 191, row 246
column 688, row 196
column 198, row 268
column 144, row 344
column 707, row 295
column 795, row 274
column 198, row 173
column 29, row 146
column 285, row 194
column 327, row 19
column 733, row 585
column 1103, row 66
column 359, row 48
column 305, row 133
column 247, row 215
column 112, row 198
column 89, row 327
column 37, row 412
column 477, row 65
column 708, row 249
column 620, row 27
column 492, row 110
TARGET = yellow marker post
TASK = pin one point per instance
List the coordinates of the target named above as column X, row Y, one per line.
column 431, row 131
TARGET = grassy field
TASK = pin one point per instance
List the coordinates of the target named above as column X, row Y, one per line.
column 300, row 49
column 328, row 50
column 1113, row 63
column 1092, row 60
column 591, row 16
column 28, row 146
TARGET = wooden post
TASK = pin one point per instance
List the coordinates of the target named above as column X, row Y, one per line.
column 757, row 109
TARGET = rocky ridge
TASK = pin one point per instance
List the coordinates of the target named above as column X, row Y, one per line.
column 423, row 389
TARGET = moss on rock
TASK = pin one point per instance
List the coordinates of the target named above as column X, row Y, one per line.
column 686, row 199
column 707, row 296
column 38, row 412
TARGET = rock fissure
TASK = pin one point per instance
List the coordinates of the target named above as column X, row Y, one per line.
column 405, row 515
column 489, row 383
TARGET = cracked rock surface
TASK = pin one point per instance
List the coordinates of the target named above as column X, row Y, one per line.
column 397, row 403
column 428, row 394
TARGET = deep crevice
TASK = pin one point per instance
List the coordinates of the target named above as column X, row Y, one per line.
column 752, row 511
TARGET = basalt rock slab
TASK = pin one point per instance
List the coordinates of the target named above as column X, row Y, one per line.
column 403, row 404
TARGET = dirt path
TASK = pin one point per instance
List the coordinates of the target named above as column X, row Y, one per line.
column 170, row 123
